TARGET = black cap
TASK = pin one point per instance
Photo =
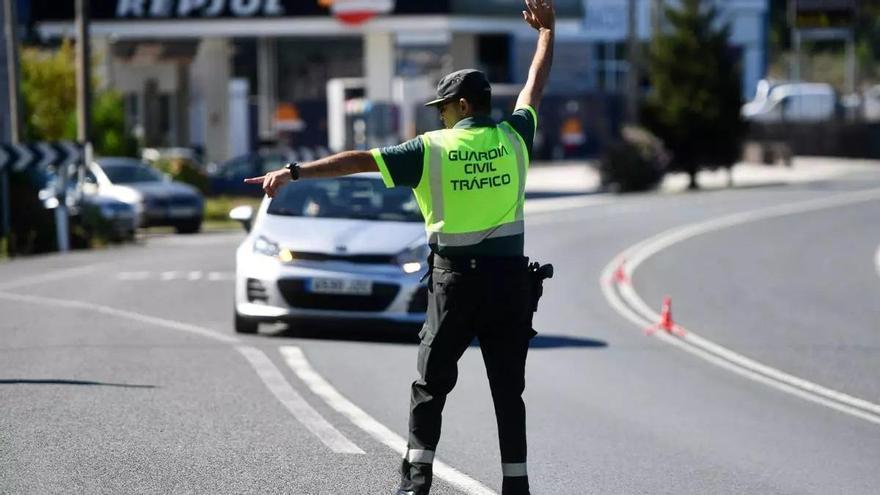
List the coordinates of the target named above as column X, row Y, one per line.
column 469, row 84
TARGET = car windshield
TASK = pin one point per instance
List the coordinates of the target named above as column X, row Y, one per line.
column 127, row 174
column 351, row 197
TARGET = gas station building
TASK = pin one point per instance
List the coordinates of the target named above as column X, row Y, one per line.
column 226, row 75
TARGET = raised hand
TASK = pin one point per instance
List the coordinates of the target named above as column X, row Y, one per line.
column 540, row 14
column 272, row 181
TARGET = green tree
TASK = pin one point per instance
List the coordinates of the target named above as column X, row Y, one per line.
column 49, row 93
column 694, row 105
column 48, row 87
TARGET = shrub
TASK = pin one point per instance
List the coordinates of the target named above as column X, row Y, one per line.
column 635, row 163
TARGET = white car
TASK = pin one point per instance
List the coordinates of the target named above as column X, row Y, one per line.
column 791, row 102
column 339, row 249
column 157, row 199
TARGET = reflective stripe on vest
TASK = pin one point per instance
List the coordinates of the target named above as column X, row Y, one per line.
column 438, row 229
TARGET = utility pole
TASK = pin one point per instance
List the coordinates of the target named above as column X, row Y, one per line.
column 657, row 14
column 83, row 73
column 633, row 59
column 10, row 30
column 83, row 118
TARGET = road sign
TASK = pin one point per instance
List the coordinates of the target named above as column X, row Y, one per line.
column 20, row 157
column 824, row 14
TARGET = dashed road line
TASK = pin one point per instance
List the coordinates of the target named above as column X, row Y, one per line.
column 626, row 301
column 173, row 275
column 294, row 402
column 547, row 205
column 319, row 386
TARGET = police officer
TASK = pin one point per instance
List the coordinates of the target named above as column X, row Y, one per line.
column 469, row 181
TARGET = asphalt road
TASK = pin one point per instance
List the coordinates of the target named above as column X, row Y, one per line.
column 120, row 372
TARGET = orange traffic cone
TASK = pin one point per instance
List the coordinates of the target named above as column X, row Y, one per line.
column 666, row 323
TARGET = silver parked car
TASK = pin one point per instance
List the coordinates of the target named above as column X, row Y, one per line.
column 157, row 199
column 332, row 249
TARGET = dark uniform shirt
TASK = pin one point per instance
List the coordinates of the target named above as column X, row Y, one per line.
column 404, row 164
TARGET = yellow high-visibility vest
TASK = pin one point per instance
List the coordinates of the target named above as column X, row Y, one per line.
column 473, row 184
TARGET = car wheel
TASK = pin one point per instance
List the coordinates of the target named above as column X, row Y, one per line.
column 189, row 227
column 245, row 325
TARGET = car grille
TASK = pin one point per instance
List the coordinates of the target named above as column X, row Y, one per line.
column 419, row 301
column 369, row 259
column 256, row 291
column 294, row 292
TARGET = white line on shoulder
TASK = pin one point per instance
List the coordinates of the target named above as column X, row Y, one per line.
column 630, row 305
column 294, row 402
column 320, row 387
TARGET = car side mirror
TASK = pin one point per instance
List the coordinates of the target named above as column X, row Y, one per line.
column 243, row 214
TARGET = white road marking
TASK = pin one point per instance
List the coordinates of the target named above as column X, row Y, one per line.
column 877, row 260
column 191, row 276
column 546, row 205
column 294, row 402
column 121, row 313
column 630, row 305
column 320, row 387
column 220, row 276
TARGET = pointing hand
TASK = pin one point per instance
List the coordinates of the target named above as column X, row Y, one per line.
column 271, row 182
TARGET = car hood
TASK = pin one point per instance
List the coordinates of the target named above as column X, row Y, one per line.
column 328, row 235
column 161, row 189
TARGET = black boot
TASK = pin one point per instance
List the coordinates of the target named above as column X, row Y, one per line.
column 518, row 485
column 415, row 479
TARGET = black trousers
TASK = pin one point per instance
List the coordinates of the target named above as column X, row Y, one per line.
column 493, row 304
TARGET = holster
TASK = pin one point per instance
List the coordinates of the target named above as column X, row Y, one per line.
column 537, row 274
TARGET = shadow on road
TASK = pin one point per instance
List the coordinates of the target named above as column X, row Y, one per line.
column 69, row 382
column 408, row 334
column 556, row 341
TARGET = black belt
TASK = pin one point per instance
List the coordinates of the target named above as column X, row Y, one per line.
column 466, row 264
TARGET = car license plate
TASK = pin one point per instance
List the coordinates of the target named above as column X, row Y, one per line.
column 341, row 286
column 182, row 212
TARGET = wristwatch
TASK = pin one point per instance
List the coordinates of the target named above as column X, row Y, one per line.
column 293, row 167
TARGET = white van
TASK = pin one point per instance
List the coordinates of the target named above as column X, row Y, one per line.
column 791, row 102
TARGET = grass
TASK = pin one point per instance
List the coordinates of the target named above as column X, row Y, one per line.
column 217, row 207
column 217, row 211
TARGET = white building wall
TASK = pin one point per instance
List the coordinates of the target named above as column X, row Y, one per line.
column 210, row 74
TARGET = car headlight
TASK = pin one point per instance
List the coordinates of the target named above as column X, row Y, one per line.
column 414, row 259
column 266, row 247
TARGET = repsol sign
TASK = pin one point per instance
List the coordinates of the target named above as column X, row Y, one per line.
column 127, row 10
column 198, row 8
